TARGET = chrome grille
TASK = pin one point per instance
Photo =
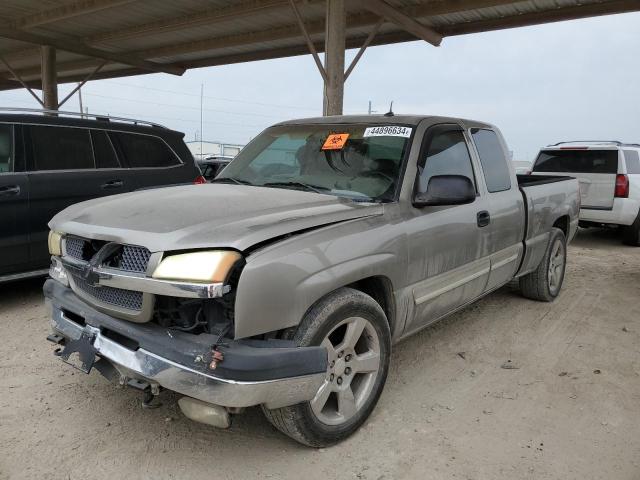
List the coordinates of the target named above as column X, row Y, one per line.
column 128, row 299
column 134, row 259
column 130, row 258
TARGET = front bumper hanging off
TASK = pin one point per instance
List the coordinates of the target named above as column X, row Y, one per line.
column 275, row 373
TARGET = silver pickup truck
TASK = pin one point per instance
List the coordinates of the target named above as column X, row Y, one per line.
column 285, row 282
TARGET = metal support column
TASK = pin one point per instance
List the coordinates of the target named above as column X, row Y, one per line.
column 334, row 57
column 49, row 78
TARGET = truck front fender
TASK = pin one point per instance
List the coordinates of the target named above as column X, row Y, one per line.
column 277, row 286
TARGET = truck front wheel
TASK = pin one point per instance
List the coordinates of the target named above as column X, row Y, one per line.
column 354, row 329
column 545, row 282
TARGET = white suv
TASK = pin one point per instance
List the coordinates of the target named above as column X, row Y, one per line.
column 609, row 176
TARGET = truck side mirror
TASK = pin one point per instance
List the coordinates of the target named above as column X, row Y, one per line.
column 446, row 190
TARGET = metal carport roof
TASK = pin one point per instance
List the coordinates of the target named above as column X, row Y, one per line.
column 113, row 38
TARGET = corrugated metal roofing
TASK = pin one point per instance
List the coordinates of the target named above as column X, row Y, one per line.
column 197, row 33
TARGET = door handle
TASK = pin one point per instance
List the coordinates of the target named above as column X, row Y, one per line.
column 112, row 184
column 9, row 191
column 484, row 218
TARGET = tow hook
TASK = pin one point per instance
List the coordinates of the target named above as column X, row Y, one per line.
column 150, row 391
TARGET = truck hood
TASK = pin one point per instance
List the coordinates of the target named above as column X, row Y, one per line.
column 206, row 216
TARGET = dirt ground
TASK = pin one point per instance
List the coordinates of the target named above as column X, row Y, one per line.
column 570, row 407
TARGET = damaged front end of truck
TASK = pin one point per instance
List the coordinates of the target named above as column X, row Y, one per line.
column 140, row 320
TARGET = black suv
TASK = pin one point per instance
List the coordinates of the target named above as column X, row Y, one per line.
column 49, row 162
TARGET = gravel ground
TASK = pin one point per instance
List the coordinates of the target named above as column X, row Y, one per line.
column 570, row 407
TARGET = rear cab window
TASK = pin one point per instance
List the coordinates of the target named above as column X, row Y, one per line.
column 577, row 160
column 496, row 171
column 143, row 151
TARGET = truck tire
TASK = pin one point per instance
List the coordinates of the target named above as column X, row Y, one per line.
column 545, row 282
column 354, row 328
column 631, row 234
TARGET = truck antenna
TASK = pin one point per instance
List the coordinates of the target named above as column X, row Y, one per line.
column 390, row 112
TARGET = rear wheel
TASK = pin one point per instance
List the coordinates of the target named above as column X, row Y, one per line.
column 545, row 282
column 631, row 234
column 354, row 330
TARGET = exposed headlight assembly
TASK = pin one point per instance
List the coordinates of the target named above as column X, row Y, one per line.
column 202, row 267
column 55, row 243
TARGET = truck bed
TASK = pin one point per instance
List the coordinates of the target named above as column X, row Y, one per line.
column 549, row 201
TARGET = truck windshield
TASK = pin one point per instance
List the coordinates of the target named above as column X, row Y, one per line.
column 361, row 162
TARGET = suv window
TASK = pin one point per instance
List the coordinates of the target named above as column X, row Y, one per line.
column 447, row 155
column 143, row 151
column 6, row 148
column 494, row 163
column 103, row 151
column 577, row 161
column 632, row 159
column 61, row 148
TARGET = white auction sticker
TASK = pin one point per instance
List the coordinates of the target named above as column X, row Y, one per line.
column 388, row 131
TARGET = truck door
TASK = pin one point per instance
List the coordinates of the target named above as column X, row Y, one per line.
column 448, row 252
column 14, row 202
column 506, row 207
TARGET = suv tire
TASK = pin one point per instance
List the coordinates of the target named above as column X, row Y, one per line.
column 354, row 328
column 545, row 282
column 631, row 234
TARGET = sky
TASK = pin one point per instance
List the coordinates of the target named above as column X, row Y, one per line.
column 573, row 80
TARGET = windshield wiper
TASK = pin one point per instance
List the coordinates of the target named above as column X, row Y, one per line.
column 306, row 186
column 231, row 180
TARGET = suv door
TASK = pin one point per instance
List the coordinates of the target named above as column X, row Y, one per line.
column 14, row 204
column 67, row 165
column 152, row 161
column 448, row 256
column 506, row 206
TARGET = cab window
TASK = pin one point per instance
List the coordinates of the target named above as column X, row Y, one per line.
column 493, row 160
column 447, row 154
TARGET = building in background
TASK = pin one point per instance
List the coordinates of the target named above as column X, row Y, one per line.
column 212, row 149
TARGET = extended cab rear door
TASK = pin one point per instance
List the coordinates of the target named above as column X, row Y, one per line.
column 506, row 206
column 595, row 169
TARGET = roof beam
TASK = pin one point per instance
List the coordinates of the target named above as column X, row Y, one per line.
column 80, row 7
column 75, row 45
column 307, row 38
column 402, row 20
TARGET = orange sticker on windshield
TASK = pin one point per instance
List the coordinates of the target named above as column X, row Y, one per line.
column 335, row 141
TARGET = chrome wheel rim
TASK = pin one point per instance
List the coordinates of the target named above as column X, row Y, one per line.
column 353, row 349
column 556, row 266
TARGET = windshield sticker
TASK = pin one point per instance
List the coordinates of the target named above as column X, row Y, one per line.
column 335, row 141
column 388, row 131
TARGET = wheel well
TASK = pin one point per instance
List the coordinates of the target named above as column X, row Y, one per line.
column 381, row 290
column 563, row 224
